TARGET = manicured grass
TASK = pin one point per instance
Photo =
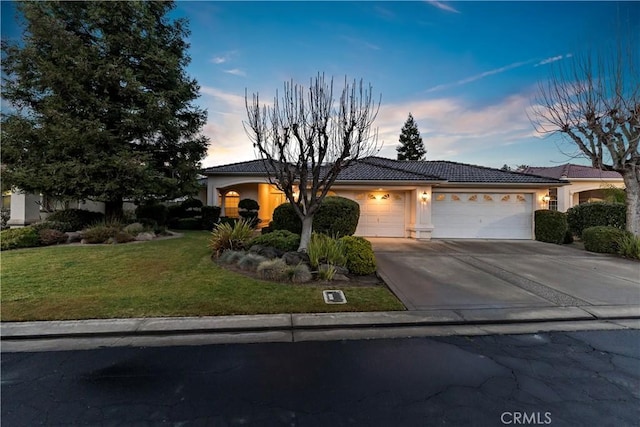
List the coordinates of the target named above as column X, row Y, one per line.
column 173, row 277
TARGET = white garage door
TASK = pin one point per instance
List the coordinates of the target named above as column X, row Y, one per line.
column 482, row 215
column 381, row 214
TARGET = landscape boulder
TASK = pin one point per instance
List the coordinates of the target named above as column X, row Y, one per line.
column 295, row 258
column 143, row 237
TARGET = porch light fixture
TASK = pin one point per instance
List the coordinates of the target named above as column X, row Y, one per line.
column 546, row 198
column 424, row 197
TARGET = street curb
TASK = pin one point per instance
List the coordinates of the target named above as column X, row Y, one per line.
column 167, row 326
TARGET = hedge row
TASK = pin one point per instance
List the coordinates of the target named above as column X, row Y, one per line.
column 587, row 215
column 336, row 216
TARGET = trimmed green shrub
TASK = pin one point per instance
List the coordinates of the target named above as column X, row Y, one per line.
column 175, row 211
column 48, row 236
column 280, row 239
column 77, row 219
column 550, row 226
column 53, row 225
column 629, row 246
column 595, row 214
column 285, row 218
column 189, row 224
column 154, row 211
column 359, row 254
column 274, row 269
column 603, row 239
column 15, row 238
column 248, row 205
column 210, row 216
column 336, row 216
column 191, row 208
column 248, row 209
column 224, row 237
column 191, row 204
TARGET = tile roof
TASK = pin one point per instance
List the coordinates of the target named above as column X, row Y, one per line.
column 463, row 173
column 570, row 170
column 381, row 169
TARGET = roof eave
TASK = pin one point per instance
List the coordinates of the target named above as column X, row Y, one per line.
column 506, row 184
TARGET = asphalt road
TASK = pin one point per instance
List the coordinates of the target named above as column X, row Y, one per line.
column 573, row 378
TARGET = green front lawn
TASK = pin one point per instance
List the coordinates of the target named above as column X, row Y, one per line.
column 173, row 277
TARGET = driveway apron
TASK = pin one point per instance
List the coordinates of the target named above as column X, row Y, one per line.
column 477, row 274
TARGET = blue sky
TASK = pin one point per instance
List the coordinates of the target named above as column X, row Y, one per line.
column 467, row 71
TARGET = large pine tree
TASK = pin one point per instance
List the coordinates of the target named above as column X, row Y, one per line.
column 100, row 103
column 411, row 146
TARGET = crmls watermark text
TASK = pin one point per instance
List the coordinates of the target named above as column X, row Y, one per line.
column 526, row 418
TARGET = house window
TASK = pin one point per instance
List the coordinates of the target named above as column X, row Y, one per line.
column 473, row 198
column 553, row 201
column 487, row 198
column 440, row 197
column 455, row 198
column 231, row 201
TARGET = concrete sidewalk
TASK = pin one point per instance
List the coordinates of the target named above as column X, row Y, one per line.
column 97, row 333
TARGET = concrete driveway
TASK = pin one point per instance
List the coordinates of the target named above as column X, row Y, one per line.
column 505, row 274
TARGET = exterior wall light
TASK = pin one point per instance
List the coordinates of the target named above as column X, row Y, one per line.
column 546, row 198
column 424, row 197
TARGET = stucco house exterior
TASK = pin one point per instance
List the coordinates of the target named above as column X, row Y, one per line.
column 585, row 184
column 412, row 199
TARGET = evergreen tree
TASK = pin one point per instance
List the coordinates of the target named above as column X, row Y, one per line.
column 100, row 103
column 411, row 146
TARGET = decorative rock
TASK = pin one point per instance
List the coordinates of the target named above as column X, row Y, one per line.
column 84, row 242
column 340, row 277
column 255, row 248
column 143, row 237
column 269, row 252
column 73, row 236
column 295, row 258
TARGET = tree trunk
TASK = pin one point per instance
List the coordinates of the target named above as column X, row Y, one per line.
column 113, row 209
column 631, row 178
column 305, row 235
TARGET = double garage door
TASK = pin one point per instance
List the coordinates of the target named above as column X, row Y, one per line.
column 454, row 215
column 482, row 215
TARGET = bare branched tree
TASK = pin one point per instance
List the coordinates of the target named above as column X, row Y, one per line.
column 306, row 138
column 594, row 100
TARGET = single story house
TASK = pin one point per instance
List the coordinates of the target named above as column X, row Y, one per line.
column 413, row 199
column 586, row 184
column 29, row 208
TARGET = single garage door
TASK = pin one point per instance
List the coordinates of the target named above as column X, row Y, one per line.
column 482, row 215
column 382, row 214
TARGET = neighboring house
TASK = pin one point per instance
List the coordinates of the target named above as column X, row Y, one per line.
column 418, row 199
column 29, row 208
column 586, row 184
